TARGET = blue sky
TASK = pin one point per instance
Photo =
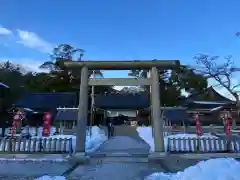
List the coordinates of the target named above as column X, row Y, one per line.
column 119, row 30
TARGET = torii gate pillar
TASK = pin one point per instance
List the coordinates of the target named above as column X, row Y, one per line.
column 82, row 111
column 157, row 121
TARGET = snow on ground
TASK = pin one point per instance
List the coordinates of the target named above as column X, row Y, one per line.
column 213, row 169
column 146, row 134
column 93, row 141
column 51, row 178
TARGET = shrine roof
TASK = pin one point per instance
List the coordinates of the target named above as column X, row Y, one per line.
column 48, row 101
column 208, row 96
column 122, row 101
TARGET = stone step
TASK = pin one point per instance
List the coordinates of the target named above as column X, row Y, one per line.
column 117, row 154
column 100, row 160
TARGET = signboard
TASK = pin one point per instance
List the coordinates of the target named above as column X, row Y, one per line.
column 47, row 119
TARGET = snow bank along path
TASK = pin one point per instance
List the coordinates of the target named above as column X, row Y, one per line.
column 213, row 169
column 92, row 142
column 146, row 134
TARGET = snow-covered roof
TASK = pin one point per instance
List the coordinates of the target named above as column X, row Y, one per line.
column 209, row 102
column 3, row 85
column 209, row 94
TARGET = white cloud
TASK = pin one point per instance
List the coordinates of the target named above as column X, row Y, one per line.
column 34, row 41
column 30, row 65
column 5, row 31
column 26, row 38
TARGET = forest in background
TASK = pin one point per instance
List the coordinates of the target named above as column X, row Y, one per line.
column 55, row 79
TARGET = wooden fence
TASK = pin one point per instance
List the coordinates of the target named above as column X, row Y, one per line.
column 36, row 145
column 202, row 145
column 192, row 129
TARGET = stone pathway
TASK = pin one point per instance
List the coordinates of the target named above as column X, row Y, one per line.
column 124, row 144
column 128, row 168
column 114, row 169
column 21, row 170
column 98, row 168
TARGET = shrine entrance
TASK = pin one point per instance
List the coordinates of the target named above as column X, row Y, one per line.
column 152, row 81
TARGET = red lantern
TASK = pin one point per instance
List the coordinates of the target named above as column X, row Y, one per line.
column 47, row 118
column 198, row 126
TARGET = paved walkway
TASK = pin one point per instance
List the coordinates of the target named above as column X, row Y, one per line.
column 115, row 169
column 124, row 144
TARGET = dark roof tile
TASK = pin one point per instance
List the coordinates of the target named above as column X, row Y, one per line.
column 48, row 100
column 122, row 101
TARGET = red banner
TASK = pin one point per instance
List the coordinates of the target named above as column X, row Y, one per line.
column 198, row 126
column 228, row 126
column 16, row 121
column 47, row 119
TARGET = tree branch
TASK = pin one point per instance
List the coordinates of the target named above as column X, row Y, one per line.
column 220, row 72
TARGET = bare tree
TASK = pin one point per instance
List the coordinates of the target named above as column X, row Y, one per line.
column 222, row 71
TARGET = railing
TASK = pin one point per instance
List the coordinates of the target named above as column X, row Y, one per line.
column 36, row 145
column 202, row 145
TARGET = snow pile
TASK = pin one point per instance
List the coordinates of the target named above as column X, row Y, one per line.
column 213, row 169
column 95, row 139
column 146, row 134
column 51, row 178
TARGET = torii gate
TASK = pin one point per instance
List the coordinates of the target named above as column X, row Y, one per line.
column 153, row 81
